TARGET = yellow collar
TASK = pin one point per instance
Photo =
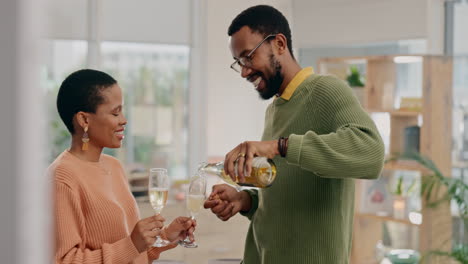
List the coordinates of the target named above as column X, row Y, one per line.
column 295, row 82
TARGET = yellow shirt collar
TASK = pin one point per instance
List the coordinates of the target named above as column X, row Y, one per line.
column 295, row 82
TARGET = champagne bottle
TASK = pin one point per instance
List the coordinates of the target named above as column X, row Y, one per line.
column 263, row 173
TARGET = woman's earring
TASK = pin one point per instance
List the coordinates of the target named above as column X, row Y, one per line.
column 85, row 139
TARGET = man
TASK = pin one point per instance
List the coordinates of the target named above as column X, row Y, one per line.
column 320, row 139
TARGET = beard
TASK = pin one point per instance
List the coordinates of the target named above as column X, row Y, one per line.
column 272, row 84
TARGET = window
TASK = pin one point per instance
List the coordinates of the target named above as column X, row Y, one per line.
column 62, row 58
column 154, row 80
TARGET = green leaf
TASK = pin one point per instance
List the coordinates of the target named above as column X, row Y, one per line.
column 354, row 79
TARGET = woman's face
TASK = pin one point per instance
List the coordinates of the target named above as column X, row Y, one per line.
column 107, row 125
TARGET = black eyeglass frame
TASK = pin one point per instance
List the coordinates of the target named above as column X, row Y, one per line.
column 246, row 61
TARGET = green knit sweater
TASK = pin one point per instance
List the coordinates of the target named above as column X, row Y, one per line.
column 306, row 216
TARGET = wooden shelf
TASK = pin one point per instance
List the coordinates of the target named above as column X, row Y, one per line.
column 405, row 113
column 405, row 165
column 385, row 219
column 364, row 59
column 396, row 113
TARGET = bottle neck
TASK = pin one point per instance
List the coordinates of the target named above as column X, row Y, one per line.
column 212, row 168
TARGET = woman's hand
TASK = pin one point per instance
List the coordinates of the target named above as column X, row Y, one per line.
column 145, row 231
column 179, row 229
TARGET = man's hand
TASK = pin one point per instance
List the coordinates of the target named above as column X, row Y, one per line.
column 244, row 153
column 225, row 201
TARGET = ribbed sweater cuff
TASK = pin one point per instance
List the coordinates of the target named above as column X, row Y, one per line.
column 123, row 251
column 154, row 252
column 293, row 155
column 254, row 204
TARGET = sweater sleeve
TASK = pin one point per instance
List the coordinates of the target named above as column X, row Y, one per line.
column 352, row 149
column 154, row 252
column 254, row 203
column 70, row 247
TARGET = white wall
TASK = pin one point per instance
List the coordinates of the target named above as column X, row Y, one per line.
column 460, row 29
column 234, row 111
column 66, row 19
column 342, row 22
column 156, row 21
column 435, row 24
column 24, row 189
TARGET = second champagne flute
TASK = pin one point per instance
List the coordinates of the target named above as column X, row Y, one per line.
column 158, row 188
column 195, row 199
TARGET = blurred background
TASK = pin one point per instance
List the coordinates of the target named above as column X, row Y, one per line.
column 183, row 103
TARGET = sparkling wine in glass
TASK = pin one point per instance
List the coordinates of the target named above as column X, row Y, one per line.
column 194, row 200
column 158, row 189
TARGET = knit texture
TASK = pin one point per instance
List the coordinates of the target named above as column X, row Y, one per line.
column 95, row 212
column 306, row 216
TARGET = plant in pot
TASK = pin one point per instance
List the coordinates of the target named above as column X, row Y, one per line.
column 401, row 197
column 437, row 189
column 355, row 81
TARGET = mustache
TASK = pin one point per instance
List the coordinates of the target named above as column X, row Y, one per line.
column 254, row 76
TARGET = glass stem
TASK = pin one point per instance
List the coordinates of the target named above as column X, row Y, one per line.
column 187, row 238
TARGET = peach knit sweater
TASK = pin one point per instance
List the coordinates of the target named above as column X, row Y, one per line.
column 95, row 212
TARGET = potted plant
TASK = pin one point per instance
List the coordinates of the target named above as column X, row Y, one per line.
column 401, row 198
column 355, row 81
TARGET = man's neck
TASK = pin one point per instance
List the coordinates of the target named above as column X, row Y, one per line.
column 290, row 70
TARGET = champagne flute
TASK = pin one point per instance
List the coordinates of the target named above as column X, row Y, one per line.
column 158, row 189
column 194, row 200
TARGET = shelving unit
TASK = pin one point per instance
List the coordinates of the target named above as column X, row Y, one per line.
column 385, row 218
column 385, row 77
column 405, row 165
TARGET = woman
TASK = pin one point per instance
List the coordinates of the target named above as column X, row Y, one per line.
column 97, row 219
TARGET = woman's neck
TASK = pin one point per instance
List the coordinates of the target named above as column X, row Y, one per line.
column 92, row 154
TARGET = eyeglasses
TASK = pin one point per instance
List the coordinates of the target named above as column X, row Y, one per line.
column 246, row 61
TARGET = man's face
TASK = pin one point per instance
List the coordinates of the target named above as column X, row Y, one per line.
column 263, row 69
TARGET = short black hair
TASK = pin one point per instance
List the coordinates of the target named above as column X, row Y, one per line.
column 263, row 19
column 81, row 91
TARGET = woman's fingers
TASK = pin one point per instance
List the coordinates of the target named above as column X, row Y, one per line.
column 190, row 234
column 154, row 225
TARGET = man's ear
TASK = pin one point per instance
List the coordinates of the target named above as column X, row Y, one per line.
column 82, row 119
column 281, row 43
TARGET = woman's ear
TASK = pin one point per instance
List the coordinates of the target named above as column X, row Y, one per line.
column 83, row 119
